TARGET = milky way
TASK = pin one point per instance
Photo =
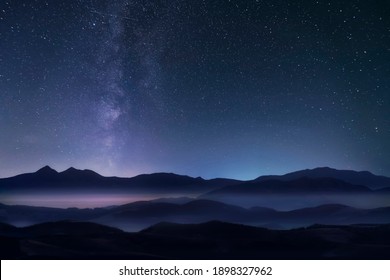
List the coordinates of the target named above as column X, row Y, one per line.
column 204, row 88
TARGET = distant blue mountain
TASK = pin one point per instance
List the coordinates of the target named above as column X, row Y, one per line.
column 139, row 215
column 299, row 193
column 302, row 185
column 364, row 178
column 306, row 188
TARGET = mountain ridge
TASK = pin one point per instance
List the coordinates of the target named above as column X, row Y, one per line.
column 139, row 215
column 300, row 185
column 365, row 178
column 47, row 179
column 290, row 191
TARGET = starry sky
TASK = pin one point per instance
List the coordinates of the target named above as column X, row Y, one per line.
column 212, row 88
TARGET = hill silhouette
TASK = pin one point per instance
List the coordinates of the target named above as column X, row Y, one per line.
column 212, row 240
column 139, row 215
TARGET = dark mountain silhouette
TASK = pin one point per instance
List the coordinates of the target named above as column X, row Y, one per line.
column 174, row 200
column 45, row 171
column 283, row 193
column 136, row 216
column 139, row 215
column 325, row 214
column 364, row 178
column 29, row 215
column 212, row 229
column 62, row 239
column 68, row 228
column 298, row 193
column 301, row 185
column 6, row 228
column 73, row 180
column 47, row 179
column 222, row 223
column 212, row 240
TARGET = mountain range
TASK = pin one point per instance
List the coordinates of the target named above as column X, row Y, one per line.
column 73, row 180
column 139, row 215
column 299, row 193
column 268, row 217
column 306, row 188
column 364, row 178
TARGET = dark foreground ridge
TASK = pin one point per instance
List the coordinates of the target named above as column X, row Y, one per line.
column 211, row 240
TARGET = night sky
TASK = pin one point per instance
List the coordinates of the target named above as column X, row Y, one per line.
column 204, row 88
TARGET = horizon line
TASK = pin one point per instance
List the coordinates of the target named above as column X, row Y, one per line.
column 179, row 174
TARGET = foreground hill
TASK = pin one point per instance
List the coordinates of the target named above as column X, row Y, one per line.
column 212, row 240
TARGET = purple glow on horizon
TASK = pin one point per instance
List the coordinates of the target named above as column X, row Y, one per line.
column 78, row 201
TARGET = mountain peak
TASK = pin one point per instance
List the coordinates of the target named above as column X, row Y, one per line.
column 47, row 170
column 70, row 169
column 323, row 168
column 364, row 178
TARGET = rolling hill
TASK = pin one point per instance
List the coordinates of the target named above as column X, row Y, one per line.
column 212, row 240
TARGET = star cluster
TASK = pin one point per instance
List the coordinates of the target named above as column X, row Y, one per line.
column 212, row 88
